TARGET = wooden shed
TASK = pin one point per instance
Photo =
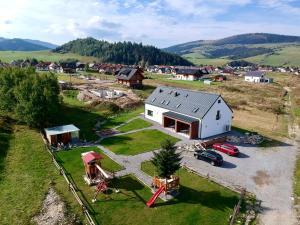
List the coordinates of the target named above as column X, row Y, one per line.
column 62, row 134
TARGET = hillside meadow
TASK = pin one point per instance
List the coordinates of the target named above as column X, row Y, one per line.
column 8, row 56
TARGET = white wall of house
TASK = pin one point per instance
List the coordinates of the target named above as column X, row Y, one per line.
column 208, row 126
column 183, row 77
column 262, row 79
column 211, row 126
column 156, row 113
column 252, row 79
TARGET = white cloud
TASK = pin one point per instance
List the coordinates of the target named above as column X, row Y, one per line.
column 158, row 22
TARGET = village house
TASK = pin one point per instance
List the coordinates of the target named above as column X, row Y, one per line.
column 132, row 77
column 257, row 77
column 80, row 66
column 69, row 67
column 54, row 67
column 194, row 114
column 43, row 66
column 190, row 73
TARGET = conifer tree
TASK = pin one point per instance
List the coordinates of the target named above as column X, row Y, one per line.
column 166, row 161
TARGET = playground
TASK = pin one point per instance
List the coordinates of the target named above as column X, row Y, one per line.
column 199, row 201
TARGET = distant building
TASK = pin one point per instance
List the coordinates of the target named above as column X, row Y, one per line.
column 80, row 66
column 68, row 67
column 43, row 66
column 190, row 73
column 54, row 67
column 132, row 77
column 194, row 114
column 257, row 77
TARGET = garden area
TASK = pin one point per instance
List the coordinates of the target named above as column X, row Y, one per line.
column 199, row 202
column 134, row 125
column 137, row 142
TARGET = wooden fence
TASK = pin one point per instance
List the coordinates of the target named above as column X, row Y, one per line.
column 71, row 185
column 237, row 208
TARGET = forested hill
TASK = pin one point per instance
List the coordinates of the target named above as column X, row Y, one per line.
column 121, row 52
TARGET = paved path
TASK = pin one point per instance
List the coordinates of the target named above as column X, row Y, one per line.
column 132, row 165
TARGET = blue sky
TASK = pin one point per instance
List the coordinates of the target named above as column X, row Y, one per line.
column 157, row 22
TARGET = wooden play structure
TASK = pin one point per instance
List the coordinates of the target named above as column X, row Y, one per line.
column 94, row 173
column 168, row 184
column 164, row 185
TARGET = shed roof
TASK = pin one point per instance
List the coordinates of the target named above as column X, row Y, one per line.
column 255, row 74
column 192, row 103
column 180, row 117
column 88, row 157
column 61, row 129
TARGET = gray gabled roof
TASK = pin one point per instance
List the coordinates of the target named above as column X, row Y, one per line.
column 192, row 103
column 126, row 73
column 255, row 74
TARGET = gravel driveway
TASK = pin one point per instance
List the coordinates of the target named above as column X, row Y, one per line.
column 267, row 172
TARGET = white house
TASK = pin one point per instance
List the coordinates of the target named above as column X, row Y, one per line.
column 193, row 113
column 190, row 73
column 257, row 77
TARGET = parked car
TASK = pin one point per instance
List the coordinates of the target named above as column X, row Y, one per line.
column 212, row 157
column 226, row 148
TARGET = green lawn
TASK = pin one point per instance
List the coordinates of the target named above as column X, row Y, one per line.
column 297, row 181
column 8, row 56
column 121, row 118
column 72, row 159
column 70, row 98
column 158, row 79
column 135, row 143
column 199, row 202
column 134, row 125
column 26, row 173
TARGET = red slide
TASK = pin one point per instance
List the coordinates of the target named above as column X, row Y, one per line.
column 154, row 197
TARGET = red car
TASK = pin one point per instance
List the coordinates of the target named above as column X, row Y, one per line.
column 226, row 148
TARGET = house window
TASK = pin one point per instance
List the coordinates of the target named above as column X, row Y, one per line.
column 218, row 116
column 149, row 112
column 219, row 101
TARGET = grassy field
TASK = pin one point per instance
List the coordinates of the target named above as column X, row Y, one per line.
column 285, row 54
column 8, row 56
column 199, row 202
column 137, row 142
column 156, row 80
column 73, row 159
column 121, row 118
column 297, row 180
column 134, row 125
column 26, row 173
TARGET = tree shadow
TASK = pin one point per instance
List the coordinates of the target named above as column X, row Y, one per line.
column 228, row 165
column 81, row 117
column 210, row 199
column 127, row 184
column 6, row 133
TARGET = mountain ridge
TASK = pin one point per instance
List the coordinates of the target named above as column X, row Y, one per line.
column 241, row 39
column 260, row 48
column 19, row 44
column 121, row 52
